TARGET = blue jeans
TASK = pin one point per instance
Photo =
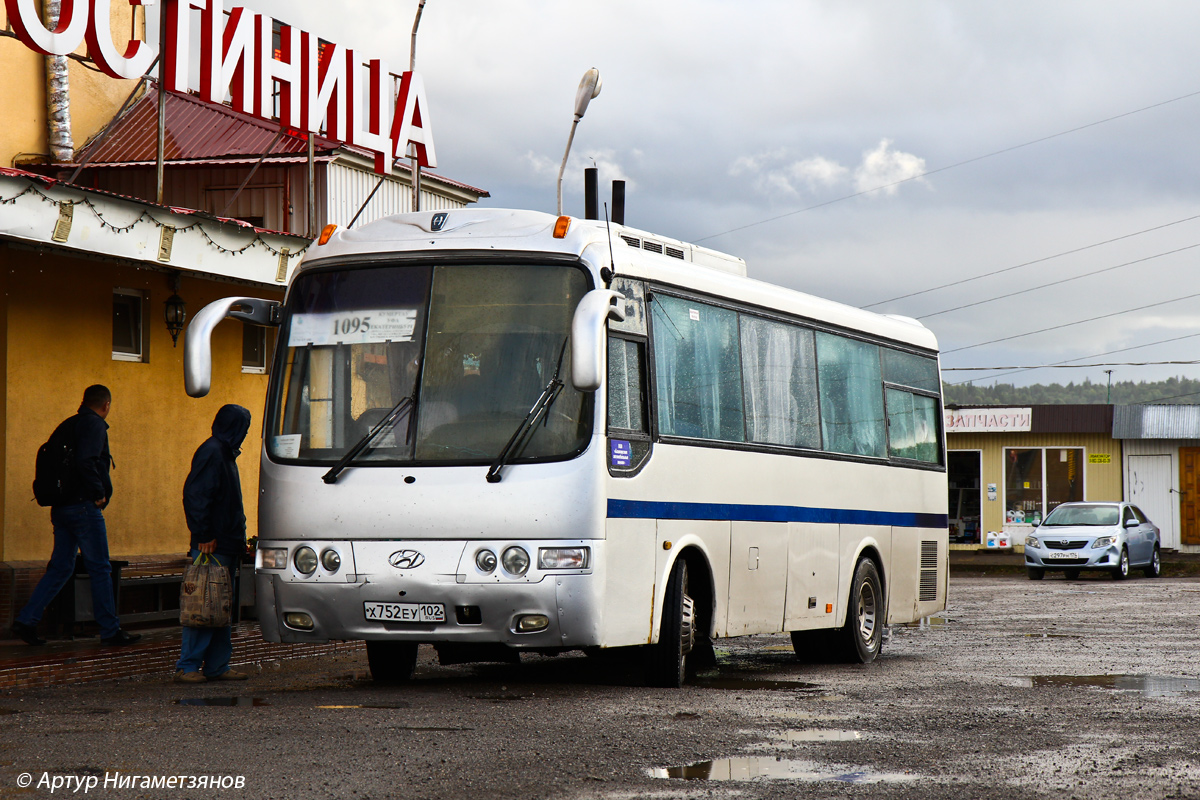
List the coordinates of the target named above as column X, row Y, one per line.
column 78, row 528
column 208, row 650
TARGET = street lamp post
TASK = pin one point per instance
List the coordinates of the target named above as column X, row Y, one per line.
column 589, row 87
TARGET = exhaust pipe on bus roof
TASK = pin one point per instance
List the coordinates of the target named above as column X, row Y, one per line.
column 591, row 193
column 618, row 202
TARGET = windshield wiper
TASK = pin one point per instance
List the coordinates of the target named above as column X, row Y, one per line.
column 524, row 432
column 389, row 420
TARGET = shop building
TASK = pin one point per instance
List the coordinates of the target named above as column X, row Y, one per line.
column 1161, row 466
column 1008, row 467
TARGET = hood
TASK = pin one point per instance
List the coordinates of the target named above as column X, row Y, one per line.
column 230, row 426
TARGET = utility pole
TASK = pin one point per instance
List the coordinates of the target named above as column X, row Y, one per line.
column 1108, row 372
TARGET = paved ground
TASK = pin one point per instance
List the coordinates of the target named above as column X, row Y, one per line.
column 1085, row 689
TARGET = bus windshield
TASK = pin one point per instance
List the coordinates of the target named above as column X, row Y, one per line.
column 471, row 345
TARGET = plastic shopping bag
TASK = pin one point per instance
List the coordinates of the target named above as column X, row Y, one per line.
column 206, row 594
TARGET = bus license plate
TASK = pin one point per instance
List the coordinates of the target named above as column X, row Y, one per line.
column 405, row 612
column 1055, row 556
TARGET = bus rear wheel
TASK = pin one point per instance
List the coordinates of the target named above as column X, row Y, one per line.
column 392, row 662
column 676, row 634
column 862, row 635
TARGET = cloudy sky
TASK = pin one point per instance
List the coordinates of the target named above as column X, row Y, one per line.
column 994, row 169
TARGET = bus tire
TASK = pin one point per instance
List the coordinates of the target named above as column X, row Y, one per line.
column 676, row 634
column 392, row 662
column 862, row 635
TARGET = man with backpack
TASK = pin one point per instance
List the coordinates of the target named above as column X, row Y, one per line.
column 77, row 515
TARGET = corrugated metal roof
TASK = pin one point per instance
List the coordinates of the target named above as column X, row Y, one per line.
column 1157, row 422
column 194, row 129
column 198, row 131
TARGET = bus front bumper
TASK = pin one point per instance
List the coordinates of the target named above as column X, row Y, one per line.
column 448, row 602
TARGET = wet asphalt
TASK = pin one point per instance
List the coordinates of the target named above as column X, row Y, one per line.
column 1051, row 689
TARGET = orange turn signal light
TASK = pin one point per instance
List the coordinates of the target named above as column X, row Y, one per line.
column 326, row 233
column 561, row 226
column 829, row 608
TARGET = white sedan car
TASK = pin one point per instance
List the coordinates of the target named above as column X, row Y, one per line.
column 1114, row 537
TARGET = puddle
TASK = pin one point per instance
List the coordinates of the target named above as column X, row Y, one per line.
column 377, row 705
column 221, row 701
column 771, row 768
column 4, row 711
column 753, row 684
column 1053, row 636
column 818, row 735
column 1149, row 685
column 927, row 622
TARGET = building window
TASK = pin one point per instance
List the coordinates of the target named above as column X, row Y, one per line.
column 128, row 332
column 1037, row 480
column 254, row 349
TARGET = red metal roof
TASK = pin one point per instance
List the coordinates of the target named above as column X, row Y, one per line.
column 200, row 132
column 194, row 130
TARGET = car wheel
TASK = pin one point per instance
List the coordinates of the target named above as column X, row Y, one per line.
column 1071, row 574
column 392, row 662
column 676, row 634
column 1121, row 571
column 1035, row 573
column 1154, row 568
column 862, row 635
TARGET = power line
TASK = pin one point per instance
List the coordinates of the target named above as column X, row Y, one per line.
column 1070, row 324
column 1031, row 263
column 1070, row 366
column 1015, row 370
column 1059, row 282
column 950, row 166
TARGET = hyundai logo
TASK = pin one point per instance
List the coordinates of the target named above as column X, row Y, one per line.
column 406, row 559
column 438, row 221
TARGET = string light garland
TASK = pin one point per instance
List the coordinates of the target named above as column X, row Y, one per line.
column 146, row 216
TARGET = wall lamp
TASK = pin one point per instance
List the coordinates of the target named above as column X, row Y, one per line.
column 175, row 312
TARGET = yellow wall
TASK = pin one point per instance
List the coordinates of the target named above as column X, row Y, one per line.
column 59, row 340
column 95, row 97
column 1100, row 482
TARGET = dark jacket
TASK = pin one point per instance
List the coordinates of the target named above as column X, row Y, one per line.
column 212, row 493
column 92, row 459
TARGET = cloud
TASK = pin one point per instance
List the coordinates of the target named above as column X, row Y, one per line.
column 773, row 174
column 884, row 168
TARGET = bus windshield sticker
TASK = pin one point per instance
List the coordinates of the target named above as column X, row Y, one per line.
column 287, row 446
column 694, row 314
column 622, row 452
column 366, row 326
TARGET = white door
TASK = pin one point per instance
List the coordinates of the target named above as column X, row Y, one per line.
column 1150, row 484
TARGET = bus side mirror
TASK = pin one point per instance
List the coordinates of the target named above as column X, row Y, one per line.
column 197, row 344
column 588, row 334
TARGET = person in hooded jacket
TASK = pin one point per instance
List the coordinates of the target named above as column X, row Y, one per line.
column 212, row 502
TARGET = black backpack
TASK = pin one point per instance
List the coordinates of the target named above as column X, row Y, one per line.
column 54, row 481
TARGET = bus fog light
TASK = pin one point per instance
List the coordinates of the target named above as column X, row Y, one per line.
column 298, row 620
column 274, row 557
column 305, row 560
column 563, row 557
column 531, row 623
column 331, row 560
column 515, row 560
column 485, row 560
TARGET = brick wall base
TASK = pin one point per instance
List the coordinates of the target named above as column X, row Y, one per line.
column 156, row 654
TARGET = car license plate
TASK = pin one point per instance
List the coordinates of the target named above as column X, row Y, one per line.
column 405, row 612
column 1052, row 556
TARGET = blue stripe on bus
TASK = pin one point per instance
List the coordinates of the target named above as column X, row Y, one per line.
column 642, row 509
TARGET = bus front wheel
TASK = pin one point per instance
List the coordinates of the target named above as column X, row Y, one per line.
column 862, row 635
column 677, row 632
column 392, row 662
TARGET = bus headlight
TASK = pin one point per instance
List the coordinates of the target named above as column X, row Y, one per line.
column 563, row 557
column 330, row 560
column 305, row 560
column 531, row 623
column 274, row 557
column 515, row 560
column 486, row 561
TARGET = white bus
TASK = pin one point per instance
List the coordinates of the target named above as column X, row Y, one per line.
column 501, row 431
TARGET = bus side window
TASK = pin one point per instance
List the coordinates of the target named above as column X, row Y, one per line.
column 627, row 385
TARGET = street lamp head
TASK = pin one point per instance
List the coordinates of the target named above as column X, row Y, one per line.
column 589, row 87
